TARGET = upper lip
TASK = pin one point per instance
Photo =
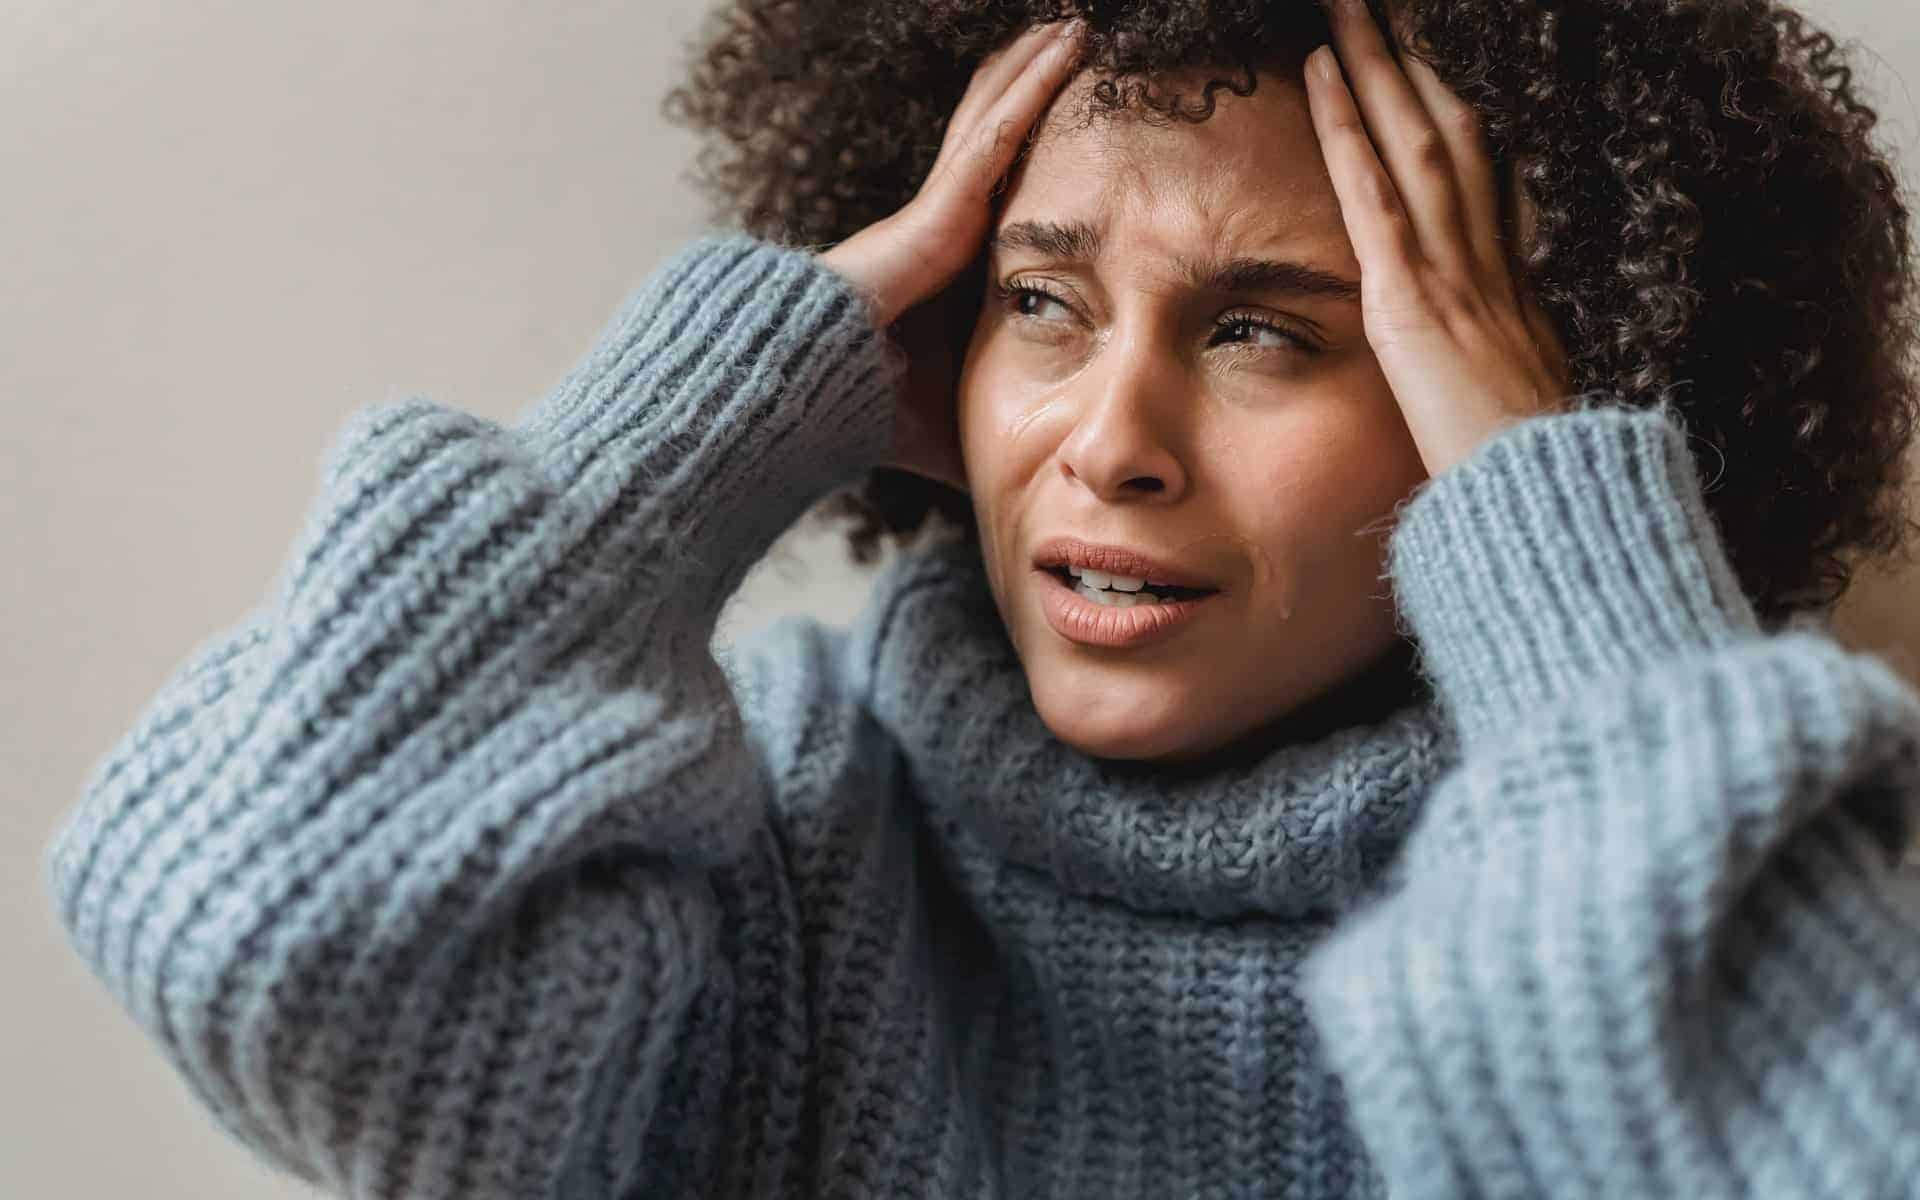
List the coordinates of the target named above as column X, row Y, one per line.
column 1117, row 560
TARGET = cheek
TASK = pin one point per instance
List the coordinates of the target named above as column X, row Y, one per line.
column 1304, row 487
column 978, row 384
column 990, row 397
column 1330, row 460
column 1000, row 397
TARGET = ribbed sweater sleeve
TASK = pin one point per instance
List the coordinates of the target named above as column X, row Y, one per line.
column 1651, row 939
column 407, row 874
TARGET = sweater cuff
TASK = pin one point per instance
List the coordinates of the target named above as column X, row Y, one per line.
column 741, row 383
column 1567, row 547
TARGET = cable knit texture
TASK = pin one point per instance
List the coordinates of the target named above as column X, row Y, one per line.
column 461, row 867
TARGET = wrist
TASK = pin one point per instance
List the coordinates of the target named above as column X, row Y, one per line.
column 861, row 261
column 1569, row 546
column 900, row 262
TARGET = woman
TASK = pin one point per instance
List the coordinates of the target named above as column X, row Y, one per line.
column 1119, row 848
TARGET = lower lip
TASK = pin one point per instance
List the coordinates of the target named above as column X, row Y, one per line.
column 1091, row 623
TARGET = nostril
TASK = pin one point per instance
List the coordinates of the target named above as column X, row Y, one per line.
column 1146, row 483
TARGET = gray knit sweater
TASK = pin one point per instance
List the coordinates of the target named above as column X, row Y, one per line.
column 461, row 868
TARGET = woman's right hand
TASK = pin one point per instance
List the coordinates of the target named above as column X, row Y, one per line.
column 904, row 263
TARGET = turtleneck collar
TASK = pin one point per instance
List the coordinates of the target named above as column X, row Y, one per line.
column 1305, row 822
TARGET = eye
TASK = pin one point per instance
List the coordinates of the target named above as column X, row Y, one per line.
column 1251, row 330
column 1034, row 303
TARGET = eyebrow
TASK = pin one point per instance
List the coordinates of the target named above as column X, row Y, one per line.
column 1078, row 241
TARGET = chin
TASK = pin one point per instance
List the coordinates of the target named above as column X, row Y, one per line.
column 1125, row 720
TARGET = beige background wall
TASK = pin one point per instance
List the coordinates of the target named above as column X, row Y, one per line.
column 225, row 226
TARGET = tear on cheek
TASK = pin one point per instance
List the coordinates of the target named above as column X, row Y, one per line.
column 1016, row 429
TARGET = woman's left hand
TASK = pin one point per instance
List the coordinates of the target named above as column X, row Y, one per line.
column 1465, row 355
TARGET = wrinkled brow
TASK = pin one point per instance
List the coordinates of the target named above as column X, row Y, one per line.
column 1270, row 275
column 1077, row 241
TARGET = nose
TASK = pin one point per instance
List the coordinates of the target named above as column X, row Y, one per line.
column 1128, row 421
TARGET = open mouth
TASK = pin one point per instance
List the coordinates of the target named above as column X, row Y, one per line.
column 1121, row 591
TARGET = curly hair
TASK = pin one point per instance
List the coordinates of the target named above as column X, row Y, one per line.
column 1715, row 226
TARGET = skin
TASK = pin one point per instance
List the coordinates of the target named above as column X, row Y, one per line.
column 1119, row 386
column 1249, row 433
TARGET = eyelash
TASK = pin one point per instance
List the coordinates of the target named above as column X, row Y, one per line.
column 1012, row 293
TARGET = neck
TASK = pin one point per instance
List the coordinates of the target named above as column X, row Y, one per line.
column 1301, row 821
column 1376, row 690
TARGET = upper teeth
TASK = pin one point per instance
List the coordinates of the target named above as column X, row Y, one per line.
column 1100, row 579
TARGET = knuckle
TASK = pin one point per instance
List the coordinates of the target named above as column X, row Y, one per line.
column 1457, row 301
column 1464, row 118
column 1429, row 151
column 1380, row 194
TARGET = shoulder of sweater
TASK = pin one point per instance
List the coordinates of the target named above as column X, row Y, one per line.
column 807, row 722
column 804, row 687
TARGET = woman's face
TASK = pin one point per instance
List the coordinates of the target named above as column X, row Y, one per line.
column 1170, row 361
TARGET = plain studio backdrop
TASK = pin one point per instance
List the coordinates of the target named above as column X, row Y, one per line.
column 226, row 226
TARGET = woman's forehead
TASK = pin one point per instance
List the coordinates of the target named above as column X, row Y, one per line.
column 1252, row 170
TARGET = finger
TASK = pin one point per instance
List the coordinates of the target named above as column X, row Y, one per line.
column 1377, row 223
column 1027, row 97
column 1415, row 155
column 989, row 83
column 991, row 147
column 1553, row 351
column 998, row 70
column 1473, row 172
